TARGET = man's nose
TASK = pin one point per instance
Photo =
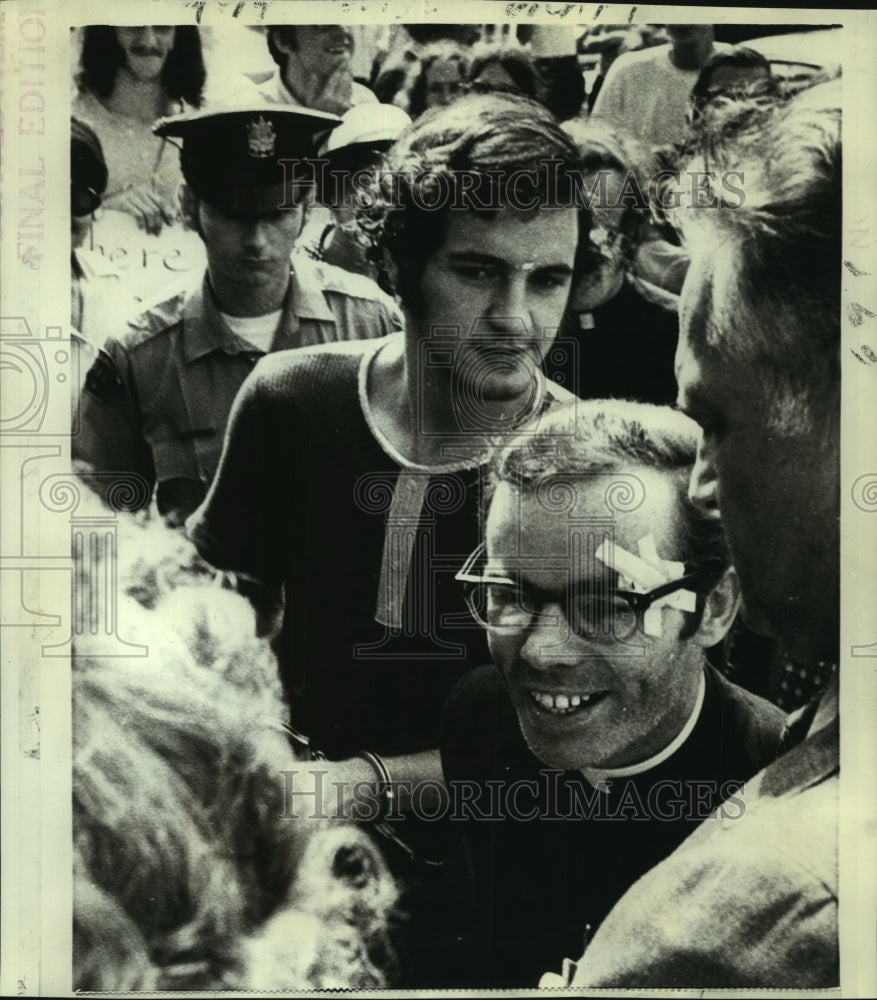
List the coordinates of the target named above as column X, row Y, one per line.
column 550, row 642
column 257, row 235
column 702, row 487
column 146, row 37
column 510, row 303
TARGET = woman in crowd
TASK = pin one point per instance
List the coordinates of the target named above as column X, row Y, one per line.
column 554, row 80
column 191, row 870
column 442, row 79
column 129, row 76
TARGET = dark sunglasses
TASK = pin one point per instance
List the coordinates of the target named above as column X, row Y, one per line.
column 83, row 201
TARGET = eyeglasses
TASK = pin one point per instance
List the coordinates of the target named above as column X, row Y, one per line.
column 83, row 201
column 593, row 611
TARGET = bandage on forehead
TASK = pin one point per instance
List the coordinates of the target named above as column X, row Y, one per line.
column 644, row 572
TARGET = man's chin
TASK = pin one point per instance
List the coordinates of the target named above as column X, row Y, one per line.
column 556, row 756
column 253, row 272
column 496, row 405
column 497, row 378
column 501, row 387
column 145, row 68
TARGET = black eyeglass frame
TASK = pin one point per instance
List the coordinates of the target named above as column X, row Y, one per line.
column 639, row 602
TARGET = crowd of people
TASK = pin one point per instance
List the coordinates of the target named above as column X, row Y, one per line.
column 472, row 645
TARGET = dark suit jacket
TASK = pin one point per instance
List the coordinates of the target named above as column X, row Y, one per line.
column 749, row 903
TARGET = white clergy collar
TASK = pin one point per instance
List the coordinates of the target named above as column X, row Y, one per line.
column 600, row 777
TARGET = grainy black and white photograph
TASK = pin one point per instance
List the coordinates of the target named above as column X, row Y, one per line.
column 433, row 535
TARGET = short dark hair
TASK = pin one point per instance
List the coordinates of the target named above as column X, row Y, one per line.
column 88, row 168
column 738, row 57
column 182, row 77
column 486, row 138
column 779, row 246
column 288, row 34
column 517, row 64
column 587, row 437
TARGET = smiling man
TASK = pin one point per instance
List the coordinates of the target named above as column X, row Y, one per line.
column 158, row 397
column 601, row 736
column 313, row 68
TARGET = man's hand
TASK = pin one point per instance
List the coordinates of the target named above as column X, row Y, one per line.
column 334, row 93
column 151, row 208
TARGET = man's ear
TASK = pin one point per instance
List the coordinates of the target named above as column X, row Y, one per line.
column 189, row 208
column 282, row 41
column 304, row 203
column 720, row 609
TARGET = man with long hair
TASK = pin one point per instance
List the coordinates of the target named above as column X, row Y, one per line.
column 128, row 77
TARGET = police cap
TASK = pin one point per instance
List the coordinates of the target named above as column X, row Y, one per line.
column 232, row 156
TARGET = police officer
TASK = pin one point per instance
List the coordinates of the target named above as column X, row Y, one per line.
column 157, row 399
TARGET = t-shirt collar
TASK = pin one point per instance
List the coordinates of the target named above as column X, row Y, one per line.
column 205, row 330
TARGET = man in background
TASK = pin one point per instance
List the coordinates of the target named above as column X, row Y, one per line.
column 645, row 93
column 313, row 68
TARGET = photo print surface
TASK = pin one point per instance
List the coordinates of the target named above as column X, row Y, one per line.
column 434, row 537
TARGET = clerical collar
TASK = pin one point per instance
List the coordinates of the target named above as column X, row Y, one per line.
column 600, row 777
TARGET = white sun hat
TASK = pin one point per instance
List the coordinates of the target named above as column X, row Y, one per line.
column 365, row 124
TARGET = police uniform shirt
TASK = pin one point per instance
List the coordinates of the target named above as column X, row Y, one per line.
column 157, row 400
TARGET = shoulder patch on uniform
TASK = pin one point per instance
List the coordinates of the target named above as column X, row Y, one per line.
column 155, row 319
column 358, row 286
column 332, row 278
column 102, row 378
